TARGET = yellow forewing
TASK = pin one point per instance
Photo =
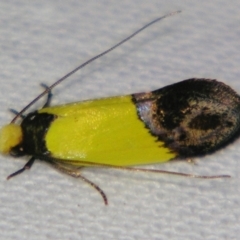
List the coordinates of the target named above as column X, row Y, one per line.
column 104, row 131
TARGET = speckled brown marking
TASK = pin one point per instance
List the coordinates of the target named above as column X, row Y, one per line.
column 192, row 117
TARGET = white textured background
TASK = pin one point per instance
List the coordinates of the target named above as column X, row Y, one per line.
column 41, row 41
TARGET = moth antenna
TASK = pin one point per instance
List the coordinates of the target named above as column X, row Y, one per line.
column 88, row 62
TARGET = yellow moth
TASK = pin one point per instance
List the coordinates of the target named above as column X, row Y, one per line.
column 189, row 118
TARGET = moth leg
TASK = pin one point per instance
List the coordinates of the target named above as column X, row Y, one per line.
column 15, row 112
column 76, row 174
column 27, row 166
column 49, row 96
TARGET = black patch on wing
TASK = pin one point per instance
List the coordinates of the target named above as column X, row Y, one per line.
column 192, row 117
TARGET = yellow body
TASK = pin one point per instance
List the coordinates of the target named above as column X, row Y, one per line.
column 104, row 131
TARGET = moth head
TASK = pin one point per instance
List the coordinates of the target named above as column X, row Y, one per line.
column 10, row 136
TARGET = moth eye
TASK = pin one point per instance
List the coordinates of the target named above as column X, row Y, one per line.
column 17, row 151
